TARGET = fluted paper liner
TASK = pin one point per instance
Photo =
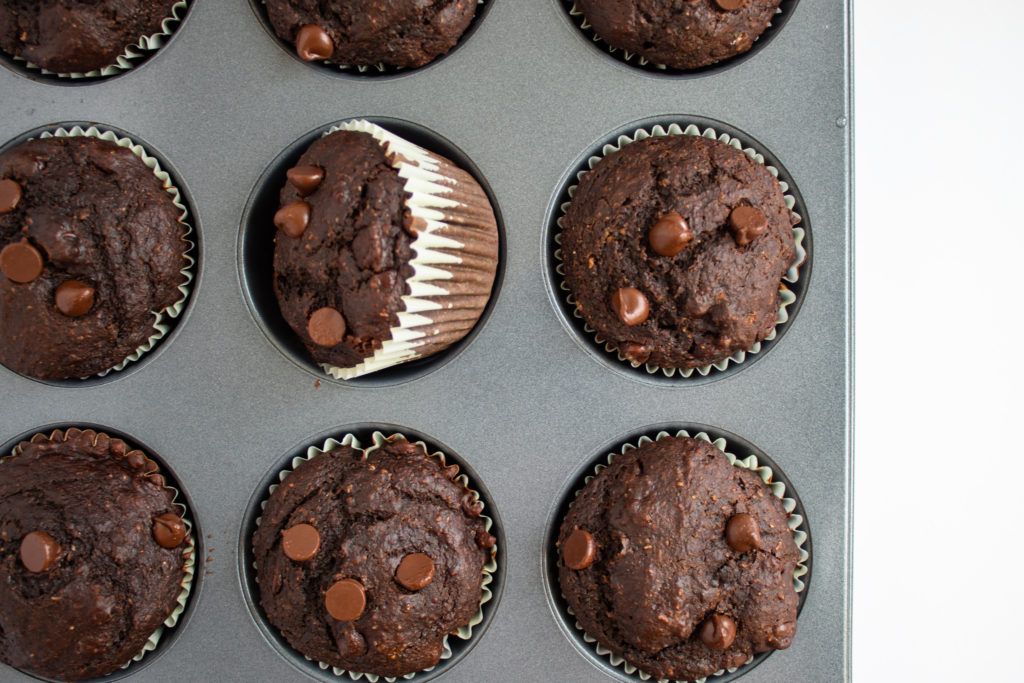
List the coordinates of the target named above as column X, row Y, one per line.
column 749, row 463
column 160, row 328
column 456, row 257
column 792, row 275
column 188, row 555
column 350, row 440
column 133, row 52
column 635, row 59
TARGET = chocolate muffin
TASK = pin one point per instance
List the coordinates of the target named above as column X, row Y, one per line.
column 92, row 554
column 91, row 247
column 366, row 275
column 683, row 34
column 679, row 562
column 674, row 249
column 366, row 561
column 397, row 33
column 77, row 36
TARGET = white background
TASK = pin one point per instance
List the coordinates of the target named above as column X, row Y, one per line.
column 939, row 234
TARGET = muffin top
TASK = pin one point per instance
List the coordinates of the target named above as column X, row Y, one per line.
column 69, row 36
column 342, row 249
column 91, row 544
column 674, row 249
column 399, row 33
column 366, row 562
column 683, row 34
column 679, row 562
column 90, row 247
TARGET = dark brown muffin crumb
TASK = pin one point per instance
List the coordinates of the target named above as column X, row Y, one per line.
column 646, row 564
column 392, row 562
column 660, row 264
column 92, row 552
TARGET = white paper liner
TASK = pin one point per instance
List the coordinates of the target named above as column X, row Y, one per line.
column 174, row 310
column 380, row 67
column 188, row 555
column 132, row 52
column 430, row 203
column 630, row 57
column 749, row 463
column 463, row 632
column 792, row 275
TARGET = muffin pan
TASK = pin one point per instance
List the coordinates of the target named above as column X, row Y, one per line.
column 521, row 102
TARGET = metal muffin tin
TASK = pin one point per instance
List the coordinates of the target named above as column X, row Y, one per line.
column 225, row 400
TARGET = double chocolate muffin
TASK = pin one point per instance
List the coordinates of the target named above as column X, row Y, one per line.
column 397, row 33
column 92, row 554
column 366, row 274
column 91, row 248
column 674, row 250
column 683, row 34
column 368, row 561
column 72, row 36
column 679, row 562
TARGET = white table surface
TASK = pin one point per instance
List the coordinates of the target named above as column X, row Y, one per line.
column 938, row 581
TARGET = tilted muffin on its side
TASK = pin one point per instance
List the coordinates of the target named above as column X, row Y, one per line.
column 71, row 36
column 683, row 34
column 367, row 562
column 398, row 33
column 92, row 554
column 91, row 247
column 679, row 562
column 674, row 248
column 384, row 252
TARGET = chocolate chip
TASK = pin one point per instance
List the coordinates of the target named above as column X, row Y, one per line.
column 345, row 600
column 74, row 298
column 747, row 223
column 630, row 305
column 670, row 234
column 350, row 643
column 742, row 533
column 39, row 551
column 326, row 327
column 10, row 195
column 168, row 530
column 730, row 5
column 21, row 262
column 415, row 571
column 579, row 550
column 313, row 44
column 782, row 635
column 718, row 631
column 305, row 179
column 293, row 218
column 301, row 542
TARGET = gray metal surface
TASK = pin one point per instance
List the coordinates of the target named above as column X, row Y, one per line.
column 524, row 404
